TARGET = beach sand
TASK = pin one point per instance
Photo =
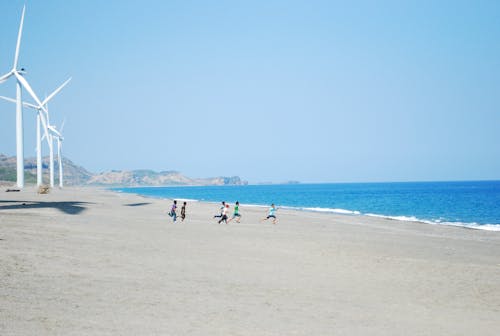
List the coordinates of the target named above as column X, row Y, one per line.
column 84, row 261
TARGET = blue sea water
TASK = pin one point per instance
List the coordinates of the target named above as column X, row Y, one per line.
column 474, row 204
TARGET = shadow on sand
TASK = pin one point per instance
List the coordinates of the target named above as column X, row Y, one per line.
column 136, row 204
column 70, row 208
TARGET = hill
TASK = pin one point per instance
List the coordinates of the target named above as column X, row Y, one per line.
column 75, row 175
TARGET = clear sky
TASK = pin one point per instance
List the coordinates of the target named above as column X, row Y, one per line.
column 315, row 91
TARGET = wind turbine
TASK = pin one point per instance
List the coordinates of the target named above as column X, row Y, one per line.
column 60, row 139
column 21, row 83
column 40, row 118
column 57, row 134
column 45, row 122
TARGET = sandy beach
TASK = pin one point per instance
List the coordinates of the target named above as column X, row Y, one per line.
column 83, row 261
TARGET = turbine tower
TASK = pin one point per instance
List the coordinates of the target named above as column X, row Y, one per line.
column 60, row 139
column 53, row 133
column 41, row 119
column 21, row 83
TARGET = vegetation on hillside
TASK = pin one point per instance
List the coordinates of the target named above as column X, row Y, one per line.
column 10, row 175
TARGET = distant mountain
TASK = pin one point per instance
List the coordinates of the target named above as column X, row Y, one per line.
column 78, row 176
column 152, row 178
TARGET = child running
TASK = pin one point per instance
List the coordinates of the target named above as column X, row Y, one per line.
column 221, row 210
column 272, row 214
column 224, row 214
column 183, row 211
column 236, row 212
column 172, row 212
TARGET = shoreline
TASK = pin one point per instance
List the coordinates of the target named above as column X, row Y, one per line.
column 403, row 218
column 93, row 261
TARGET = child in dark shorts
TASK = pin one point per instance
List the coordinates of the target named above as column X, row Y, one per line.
column 272, row 214
column 224, row 214
column 221, row 210
column 236, row 212
column 183, row 211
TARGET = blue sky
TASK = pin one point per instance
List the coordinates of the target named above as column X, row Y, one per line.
column 315, row 91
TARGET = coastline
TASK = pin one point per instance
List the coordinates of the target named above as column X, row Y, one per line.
column 94, row 261
column 403, row 218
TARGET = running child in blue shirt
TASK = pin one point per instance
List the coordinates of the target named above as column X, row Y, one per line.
column 272, row 214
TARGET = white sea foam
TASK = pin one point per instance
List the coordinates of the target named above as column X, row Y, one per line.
column 185, row 200
column 488, row 227
column 476, row 226
column 247, row 205
column 255, row 205
column 330, row 210
column 399, row 218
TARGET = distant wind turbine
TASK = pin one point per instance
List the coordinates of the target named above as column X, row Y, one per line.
column 57, row 134
column 60, row 139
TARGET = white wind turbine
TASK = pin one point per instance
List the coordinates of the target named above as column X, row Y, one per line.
column 57, row 134
column 40, row 118
column 60, row 139
column 21, row 83
column 45, row 122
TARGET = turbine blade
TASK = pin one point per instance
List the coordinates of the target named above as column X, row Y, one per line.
column 5, row 77
column 18, row 45
column 28, row 88
column 56, row 91
column 25, row 104
column 12, row 100
column 45, row 127
column 56, row 132
column 62, row 125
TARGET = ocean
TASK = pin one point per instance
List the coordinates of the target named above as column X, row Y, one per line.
column 472, row 204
